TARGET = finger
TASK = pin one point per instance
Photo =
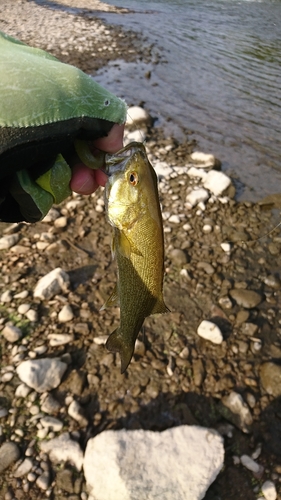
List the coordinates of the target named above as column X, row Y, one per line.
column 84, row 179
column 113, row 142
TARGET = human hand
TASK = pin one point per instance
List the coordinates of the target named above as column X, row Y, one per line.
column 85, row 180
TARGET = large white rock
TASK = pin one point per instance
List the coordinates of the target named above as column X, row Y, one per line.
column 178, row 463
column 209, row 331
column 63, row 449
column 216, row 182
column 42, row 374
column 51, row 284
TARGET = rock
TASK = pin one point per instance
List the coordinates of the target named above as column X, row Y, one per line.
column 178, row 257
column 197, row 195
column 136, row 114
column 75, row 411
column 135, row 136
column 6, row 297
column 177, row 463
column 198, row 372
column 51, row 284
column 216, row 182
column 42, row 374
column 209, row 331
column 240, row 414
column 22, row 391
column 197, row 173
column 57, row 339
column 52, row 423
column 249, row 463
column 32, row 315
column 226, row 247
column 43, row 481
column 11, row 333
column 205, row 160
column 63, row 449
column 23, row 308
column 60, row 222
column 246, row 298
column 162, row 169
column 175, row 219
column 66, row 314
column 24, row 468
column 9, row 241
column 270, row 377
column 9, row 453
column 50, row 404
column 269, row 491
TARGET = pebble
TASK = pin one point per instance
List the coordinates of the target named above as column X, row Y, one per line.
column 51, row 284
column 209, row 331
column 24, row 468
column 3, row 412
column 43, row 481
column 11, row 333
column 269, row 490
column 241, row 415
column 246, row 298
column 9, row 241
column 63, row 449
column 7, row 377
column 32, row 315
column 21, row 295
column 52, row 423
column 9, row 453
column 60, row 222
column 22, row 391
column 66, row 314
column 178, row 257
column 216, row 182
column 136, row 114
column 75, row 411
column 204, row 159
column 175, row 219
column 6, row 297
column 23, row 308
column 226, row 247
column 249, row 463
column 42, row 374
column 270, row 377
column 197, row 195
column 57, row 339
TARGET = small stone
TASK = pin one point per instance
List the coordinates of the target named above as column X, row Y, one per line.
column 24, row 468
column 178, row 257
column 249, row 329
column 60, row 222
column 63, row 449
column 21, row 295
column 43, row 481
column 11, row 333
column 9, row 241
column 198, row 372
column 23, row 308
column 175, row 219
column 270, row 376
column 50, row 404
column 57, row 339
column 209, row 331
column 31, row 477
column 22, row 391
column 197, row 195
column 7, row 377
column 136, row 114
column 6, row 297
column 52, row 423
column 75, row 411
column 42, row 374
column 205, row 160
column 9, row 453
column 249, row 463
column 66, row 314
column 226, row 247
column 32, row 315
column 207, row 228
column 3, row 412
column 216, row 182
column 51, row 284
column 269, row 490
column 246, row 298
column 240, row 414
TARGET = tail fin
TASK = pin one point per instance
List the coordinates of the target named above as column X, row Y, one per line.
column 115, row 343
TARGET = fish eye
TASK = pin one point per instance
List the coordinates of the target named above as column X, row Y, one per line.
column 133, row 178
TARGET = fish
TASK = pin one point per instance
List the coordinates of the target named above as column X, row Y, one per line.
column 133, row 210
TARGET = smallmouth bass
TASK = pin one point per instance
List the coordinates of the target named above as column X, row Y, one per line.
column 133, row 209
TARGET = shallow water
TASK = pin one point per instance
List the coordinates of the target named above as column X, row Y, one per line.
column 220, row 77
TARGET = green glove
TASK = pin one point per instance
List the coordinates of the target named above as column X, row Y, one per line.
column 45, row 106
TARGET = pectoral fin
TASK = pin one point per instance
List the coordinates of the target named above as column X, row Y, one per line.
column 113, row 300
column 125, row 246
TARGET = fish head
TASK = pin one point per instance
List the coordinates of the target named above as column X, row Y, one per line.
column 130, row 179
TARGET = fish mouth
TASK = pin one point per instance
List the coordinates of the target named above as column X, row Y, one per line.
column 117, row 161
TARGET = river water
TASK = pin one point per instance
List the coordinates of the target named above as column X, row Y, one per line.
column 220, row 77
